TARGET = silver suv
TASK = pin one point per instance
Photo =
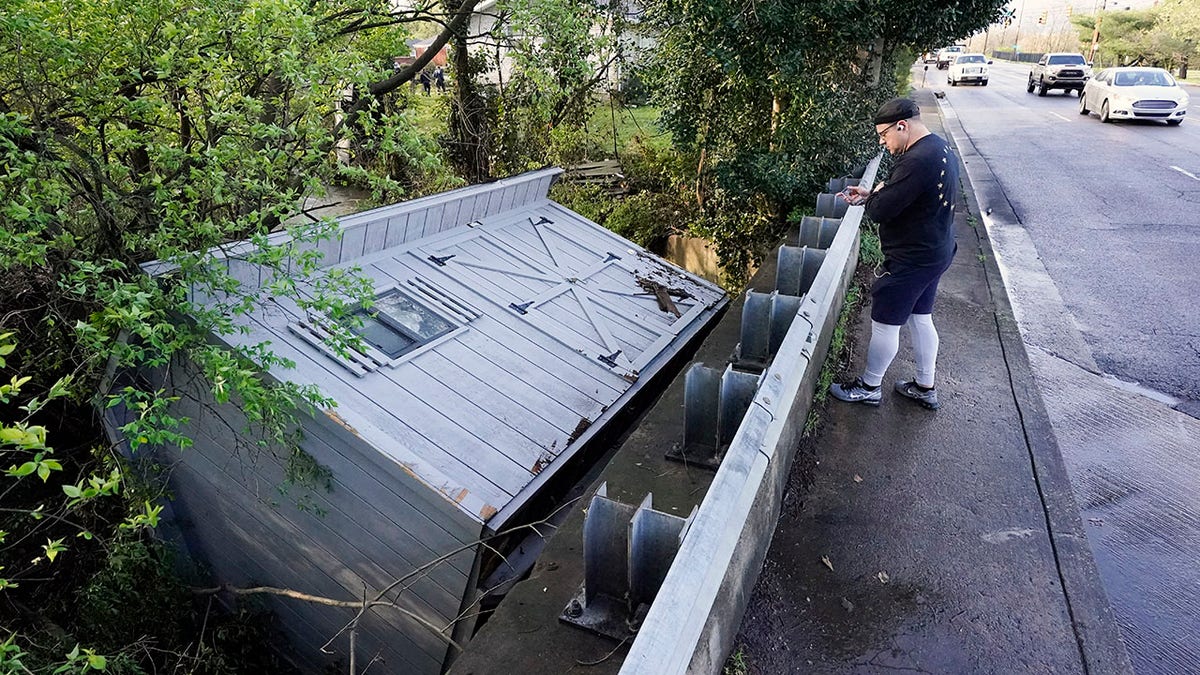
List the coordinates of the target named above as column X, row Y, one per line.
column 1061, row 70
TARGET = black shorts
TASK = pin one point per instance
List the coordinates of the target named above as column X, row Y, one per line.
column 905, row 290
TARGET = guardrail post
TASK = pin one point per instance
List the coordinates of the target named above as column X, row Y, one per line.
column 765, row 321
column 714, row 403
column 839, row 184
column 831, row 206
column 627, row 552
column 817, row 232
column 797, row 268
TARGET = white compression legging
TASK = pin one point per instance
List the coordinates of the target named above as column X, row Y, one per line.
column 885, row 342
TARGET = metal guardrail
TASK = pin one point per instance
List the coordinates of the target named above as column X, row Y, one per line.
column 691, row 625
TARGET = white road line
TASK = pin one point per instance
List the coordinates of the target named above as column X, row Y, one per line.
column 1065, row 119
column 1189, row 174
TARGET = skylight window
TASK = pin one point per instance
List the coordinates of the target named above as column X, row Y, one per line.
column 397, row 324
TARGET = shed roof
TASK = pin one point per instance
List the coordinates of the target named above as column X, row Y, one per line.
column 550, row 323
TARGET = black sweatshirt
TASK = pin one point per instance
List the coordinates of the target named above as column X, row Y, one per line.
column 915, row 207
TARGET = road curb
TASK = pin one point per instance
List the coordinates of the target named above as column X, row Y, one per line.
column 1100, row 644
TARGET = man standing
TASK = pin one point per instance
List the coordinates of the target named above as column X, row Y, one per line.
column 915, row 213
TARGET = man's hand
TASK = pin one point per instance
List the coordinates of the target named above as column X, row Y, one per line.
column 854, row 194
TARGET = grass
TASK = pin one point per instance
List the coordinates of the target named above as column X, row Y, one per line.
column 736, row 664
column 628, row 121
column 428, row 113
column 837, row 348
column 869, row 255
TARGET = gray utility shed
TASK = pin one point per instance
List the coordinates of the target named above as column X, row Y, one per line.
column 510, row 331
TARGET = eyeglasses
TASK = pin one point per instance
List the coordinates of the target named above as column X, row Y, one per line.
column 883, row 134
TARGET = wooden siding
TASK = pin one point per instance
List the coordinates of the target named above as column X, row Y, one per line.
column 368, row 530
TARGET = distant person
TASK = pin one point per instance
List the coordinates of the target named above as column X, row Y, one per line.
column 425, row 80
column 439, row 77
column 915, row 213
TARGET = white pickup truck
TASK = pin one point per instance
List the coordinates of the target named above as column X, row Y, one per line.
column 1060, row 70
column 946, row 54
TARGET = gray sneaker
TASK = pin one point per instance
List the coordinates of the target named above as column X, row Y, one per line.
column 927, row 399
column 856, row 391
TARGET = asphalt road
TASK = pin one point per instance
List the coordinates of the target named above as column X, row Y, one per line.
column 1096, row 231
column 1113, row 211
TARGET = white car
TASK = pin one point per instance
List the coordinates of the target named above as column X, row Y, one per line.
column 968, row 68
column 1134, row 94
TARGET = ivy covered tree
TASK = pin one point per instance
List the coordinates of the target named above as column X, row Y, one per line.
column 772, row 97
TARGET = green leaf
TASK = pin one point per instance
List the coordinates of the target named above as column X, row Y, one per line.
column 53, row 547
column 72, row 491
column 23, row 470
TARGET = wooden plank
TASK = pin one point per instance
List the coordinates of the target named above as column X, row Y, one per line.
column 353, row 242
column 507, row 198
column 307, row 626
column 533, row 399
column 434, row 219
column 344, row 524
column 622, row 319
column 331, row 250
column 416, row 226
column 411, row 407
column 276, row 549
column 493, row 202
column 397, row 226
column 531, row 244
column 451, row 216
column 479, row 207
column 443, row 520
column 246, row 273
column 503, row 454
column 376, row 234
column 579, row 400
column 339, row 572
column 441, row 469
column 410, row 506
column 568, row 324
column 634, row 303
column 514, row 403
column 522, row 196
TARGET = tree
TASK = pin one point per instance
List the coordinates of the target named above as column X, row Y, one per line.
column 1180, row 21
column 140, row 130
column 559, row 53
column 772, row 97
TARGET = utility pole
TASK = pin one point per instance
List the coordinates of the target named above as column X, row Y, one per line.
column 1096, row 31
column 1017, row 39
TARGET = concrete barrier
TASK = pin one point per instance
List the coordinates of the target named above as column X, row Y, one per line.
column 692, row 623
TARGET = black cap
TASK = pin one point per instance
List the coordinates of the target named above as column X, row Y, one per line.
column 895, row 110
